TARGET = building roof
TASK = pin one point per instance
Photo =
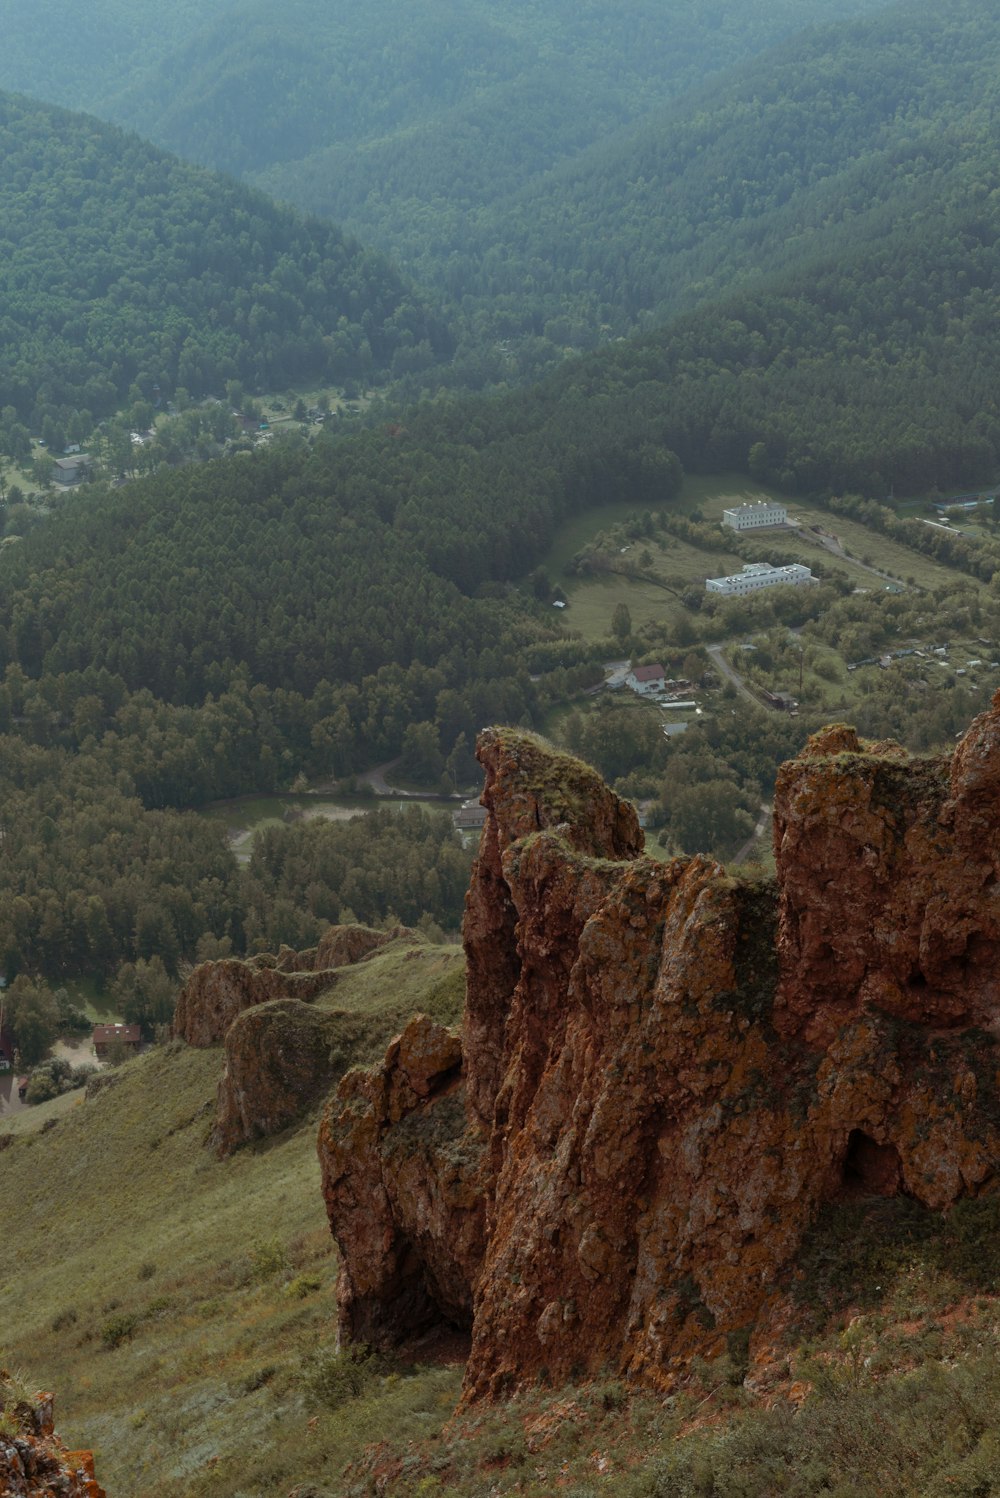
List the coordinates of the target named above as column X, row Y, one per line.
column 130, row 1034
column 647, row 673
column 754, row 505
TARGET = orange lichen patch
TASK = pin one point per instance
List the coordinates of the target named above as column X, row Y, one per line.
column 34, row 1463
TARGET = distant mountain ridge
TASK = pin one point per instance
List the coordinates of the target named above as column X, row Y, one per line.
column 123, row 266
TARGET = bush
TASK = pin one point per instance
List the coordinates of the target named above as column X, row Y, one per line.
column 42, row 1086
column 119, row 1329
column 267, row 1259
column 332, row 1378
column 55, row 1077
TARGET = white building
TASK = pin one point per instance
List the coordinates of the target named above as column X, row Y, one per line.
column 758, row 575
column 756, row 516
column 645, row 679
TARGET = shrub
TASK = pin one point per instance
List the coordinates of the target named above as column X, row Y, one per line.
column 119, row 1329
column 267, row 1259
column 332, row 1378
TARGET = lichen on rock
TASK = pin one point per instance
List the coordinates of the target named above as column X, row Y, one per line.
column 34, row 1463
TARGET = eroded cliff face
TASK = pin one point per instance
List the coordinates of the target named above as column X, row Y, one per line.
column 282, row 1053
column 33, row 1460
column 670, row 1071
column 280, row 1057
column 403, row 1178
column 217, row 992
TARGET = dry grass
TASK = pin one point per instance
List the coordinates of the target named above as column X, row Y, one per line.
column 171, row 1299
column 180, row 1307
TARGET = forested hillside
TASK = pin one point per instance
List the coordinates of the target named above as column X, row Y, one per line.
column 238, row 85
column 836, row 139
column 123, row 267
column 417, row 128
column 320, row 607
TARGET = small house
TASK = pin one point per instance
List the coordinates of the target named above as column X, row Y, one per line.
column 71, row 470
column 645, row 680
column 470, row 817
column 106, row 1036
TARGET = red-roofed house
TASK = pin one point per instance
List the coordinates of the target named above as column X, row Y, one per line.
column 105, row 1036
column 643, row 679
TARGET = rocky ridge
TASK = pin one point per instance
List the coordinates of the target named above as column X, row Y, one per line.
column 34, row 1463
column 218, row 991
column 282, row 1053
column 668, row 1072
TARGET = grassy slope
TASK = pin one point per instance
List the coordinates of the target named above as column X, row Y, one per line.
column 227, row 1268
column 216, row 1281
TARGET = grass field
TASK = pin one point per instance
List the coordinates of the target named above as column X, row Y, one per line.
column 171, row 1299
column 592, row 600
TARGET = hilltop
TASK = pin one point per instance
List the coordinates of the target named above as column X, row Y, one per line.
column 127, row 273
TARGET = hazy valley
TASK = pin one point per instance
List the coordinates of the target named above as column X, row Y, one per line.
column 411, row 396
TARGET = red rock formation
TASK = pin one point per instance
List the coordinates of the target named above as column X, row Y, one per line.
column 889, row 869
column 675, row 1069
column 343, row 946
column 34, row 1463
column 401, row 1178
column 217, row 992
column 280, row 1058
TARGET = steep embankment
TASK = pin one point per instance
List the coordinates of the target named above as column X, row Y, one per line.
column 182, row 1305
column 669, row 1072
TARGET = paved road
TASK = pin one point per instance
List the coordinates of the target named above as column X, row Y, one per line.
column 763, row 821
column 376, row 779
column 726, row 670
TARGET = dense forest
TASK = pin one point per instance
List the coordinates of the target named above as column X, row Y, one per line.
column 320, row 606
column 837, row 140
column 431, row 132
column 125, row 273
column 237, row 85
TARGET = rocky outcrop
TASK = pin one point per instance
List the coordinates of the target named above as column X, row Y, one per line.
column 281, row 1057
column 343, row 946
column 33, row 1461
column 402, row 1179
column 217, row 992
column 670, row 1071
column 889, row 876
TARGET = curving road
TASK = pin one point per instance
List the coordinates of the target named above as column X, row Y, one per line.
column 726, row 670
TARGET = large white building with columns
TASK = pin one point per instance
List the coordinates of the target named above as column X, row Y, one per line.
column 755, row 517
column 758, row 575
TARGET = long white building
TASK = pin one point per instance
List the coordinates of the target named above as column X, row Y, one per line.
column 757, row 575
column 755, row 517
